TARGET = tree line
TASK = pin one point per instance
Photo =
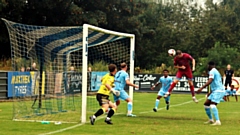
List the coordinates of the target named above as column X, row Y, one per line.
column 207, row 33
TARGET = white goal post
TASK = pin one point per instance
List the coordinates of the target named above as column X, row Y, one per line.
column 86, row 27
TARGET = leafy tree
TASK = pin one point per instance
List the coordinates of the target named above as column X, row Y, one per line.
column 222, row 55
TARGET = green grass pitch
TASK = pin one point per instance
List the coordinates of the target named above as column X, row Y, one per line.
column 183, row 118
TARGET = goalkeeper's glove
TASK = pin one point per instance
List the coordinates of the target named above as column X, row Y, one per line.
column 115, row 92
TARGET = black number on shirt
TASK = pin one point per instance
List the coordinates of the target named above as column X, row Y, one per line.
column 119, row 75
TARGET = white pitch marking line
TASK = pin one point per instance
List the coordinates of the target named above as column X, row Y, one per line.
column 78, row 125
column 173, row 105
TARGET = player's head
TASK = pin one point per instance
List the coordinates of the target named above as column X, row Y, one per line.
column 112, row 69
column 232, row 86
column 72, row 68
column 22, row 69
column 123, row 66
column 34, row 65
column 228, row 66
column 211, row 65
column 165, row 72
column 179, row 53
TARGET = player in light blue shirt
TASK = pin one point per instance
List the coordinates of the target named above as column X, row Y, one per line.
column 216, row 94
column 231, row 92
column 166, row 81
column 120, row 80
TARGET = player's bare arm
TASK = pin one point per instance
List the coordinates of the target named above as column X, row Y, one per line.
column 193, row 64
column 180, row 67
column 152, row 88
column 205, row 85
column 131, row 84
column 110, row 88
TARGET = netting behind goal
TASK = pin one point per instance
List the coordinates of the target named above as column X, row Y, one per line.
column 59, row 87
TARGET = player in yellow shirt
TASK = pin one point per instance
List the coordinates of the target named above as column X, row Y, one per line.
column 103, row 95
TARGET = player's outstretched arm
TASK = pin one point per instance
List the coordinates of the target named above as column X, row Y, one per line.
column 152, row 88
column 193, row 64
column 205, row 85
column 180, row 67
column 131, row 84
column 110, row 88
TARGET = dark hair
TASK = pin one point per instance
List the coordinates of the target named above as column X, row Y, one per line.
column 165, row 70
column 178, row 52
column 211, row 63
column 112, row 67
column 123, row 65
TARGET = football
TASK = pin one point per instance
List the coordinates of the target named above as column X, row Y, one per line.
column 171, row 52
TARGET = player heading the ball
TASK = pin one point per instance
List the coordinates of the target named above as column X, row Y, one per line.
column 181, row 62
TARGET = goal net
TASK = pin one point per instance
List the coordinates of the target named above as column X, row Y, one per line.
column 57, row 84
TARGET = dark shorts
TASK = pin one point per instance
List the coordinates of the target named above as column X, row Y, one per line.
column 102, row 99
column 228, row 83
column 187, row 73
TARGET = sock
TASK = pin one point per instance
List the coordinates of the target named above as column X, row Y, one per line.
column 167, row 99
column 110, row 113
column 171, row 87
column 192, row 90
column 215, row 112
column 129, row 107
column 99, row 112
column 157, row 103
column 208, row 112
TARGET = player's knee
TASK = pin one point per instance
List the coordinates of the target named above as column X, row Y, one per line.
column 176, row 81
column 207, row 103
column 114, row 108
column 190, row 82
column 129, row 100
column 117, row 103
column 104, row 108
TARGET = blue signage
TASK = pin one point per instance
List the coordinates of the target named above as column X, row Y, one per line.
column 96, row 80
column 19, row 84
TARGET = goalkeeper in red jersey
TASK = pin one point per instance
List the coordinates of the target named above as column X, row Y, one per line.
column 181, row 62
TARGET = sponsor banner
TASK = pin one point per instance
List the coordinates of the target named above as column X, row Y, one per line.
column 74, row 82
column 198, row 82
column 146, row 81
column 19, row 84
column 235, row 82
column 35, row 82
column 96, row 80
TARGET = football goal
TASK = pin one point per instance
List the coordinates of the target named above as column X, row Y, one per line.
column 58, row 85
